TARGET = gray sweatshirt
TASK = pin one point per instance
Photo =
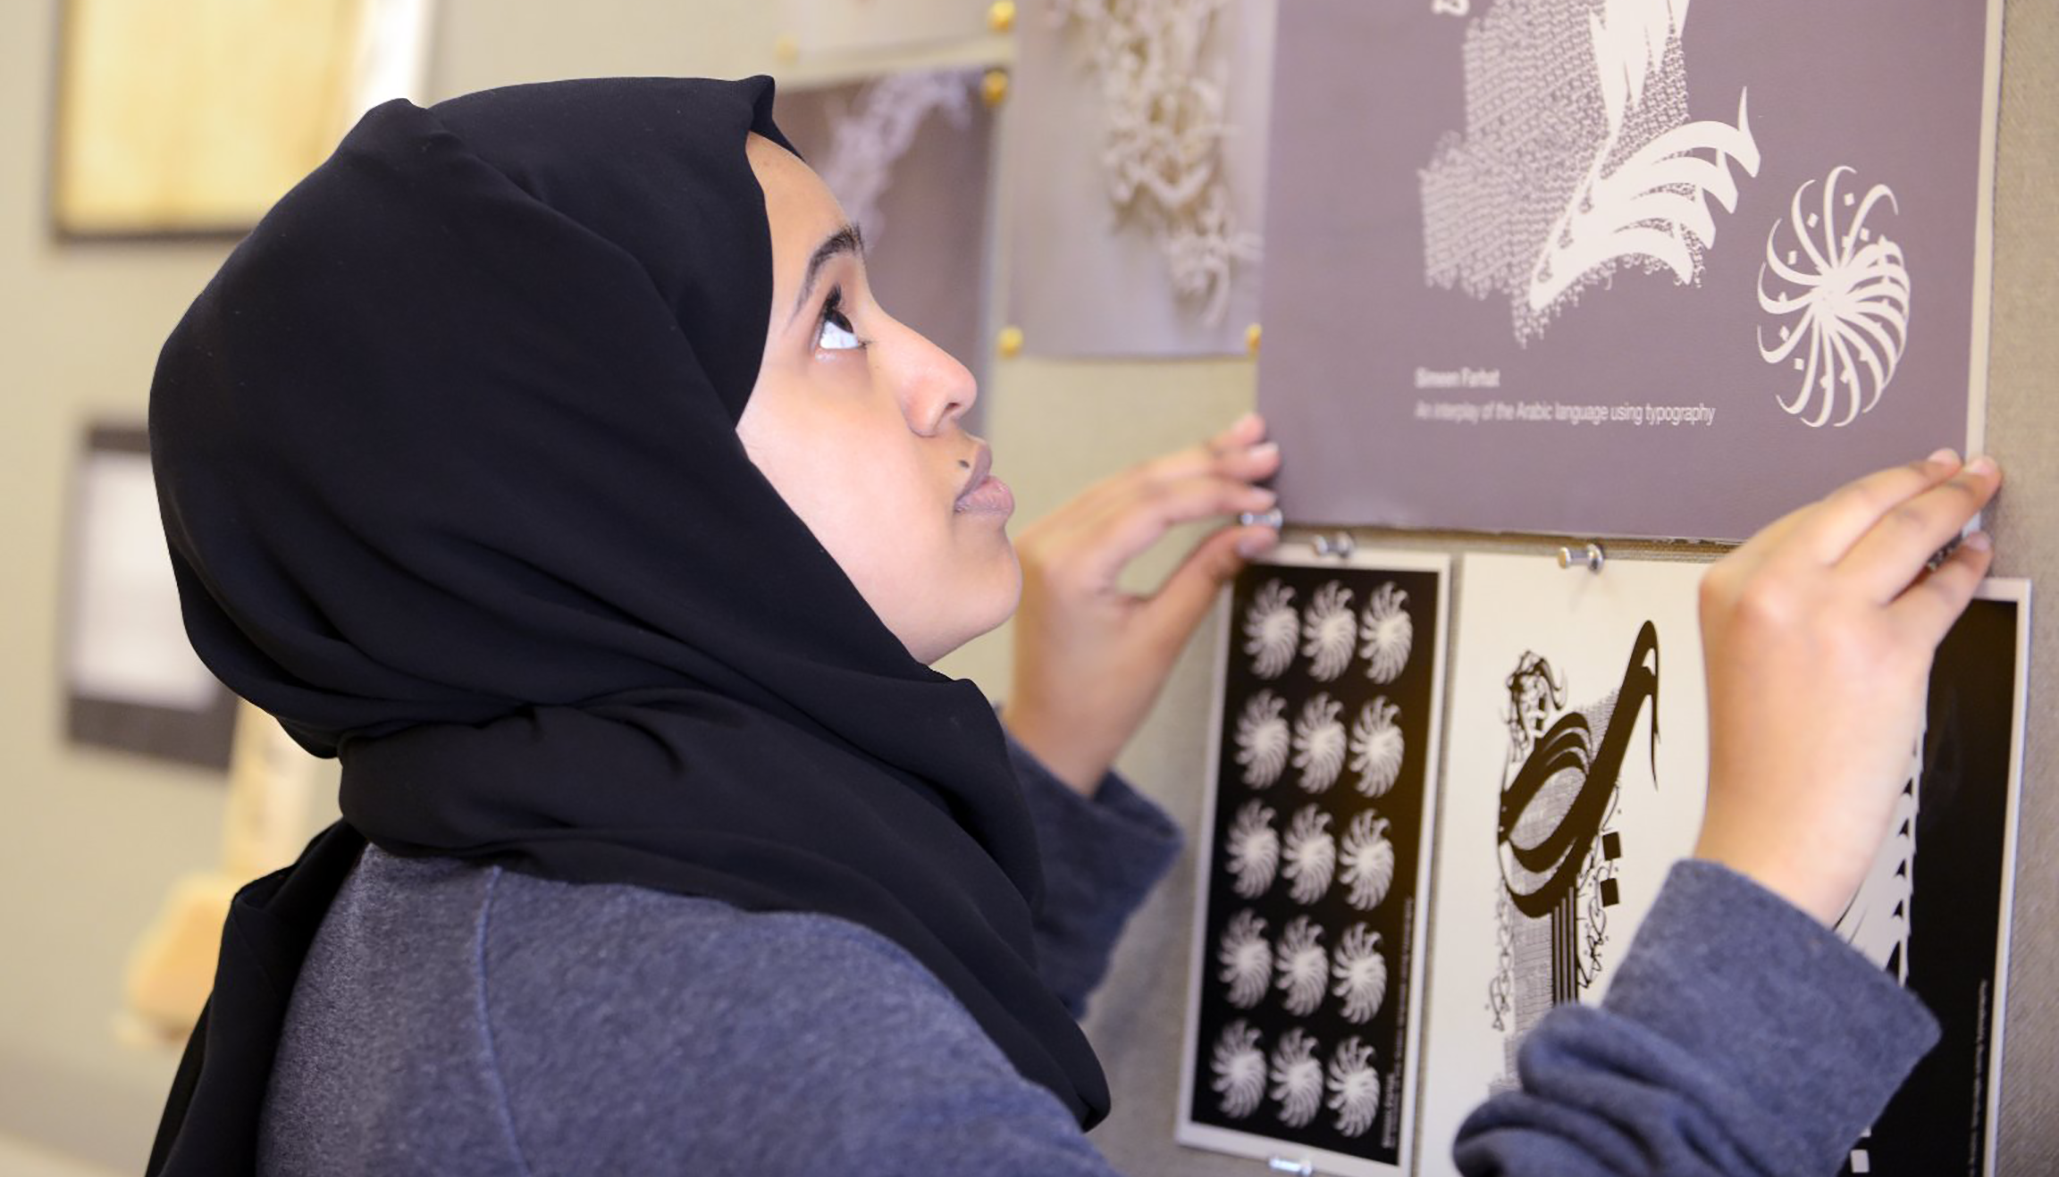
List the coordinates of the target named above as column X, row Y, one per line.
column 464, row 1020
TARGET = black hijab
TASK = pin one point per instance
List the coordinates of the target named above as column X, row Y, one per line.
column 448, row 465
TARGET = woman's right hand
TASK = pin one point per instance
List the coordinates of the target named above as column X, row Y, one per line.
column 1818, row 635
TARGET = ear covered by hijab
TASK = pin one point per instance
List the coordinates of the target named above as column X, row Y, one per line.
column 447, row 458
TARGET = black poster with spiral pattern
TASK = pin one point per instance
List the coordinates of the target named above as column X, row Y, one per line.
column 1303, row 1020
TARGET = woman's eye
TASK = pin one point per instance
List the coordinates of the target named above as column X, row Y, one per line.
column 836, row 333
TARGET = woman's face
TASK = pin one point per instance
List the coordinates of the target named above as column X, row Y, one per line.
column 855, row 421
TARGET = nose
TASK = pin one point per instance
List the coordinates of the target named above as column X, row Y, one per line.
column 935, row 389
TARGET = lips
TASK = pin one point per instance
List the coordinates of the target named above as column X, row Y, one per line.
column 983, row 493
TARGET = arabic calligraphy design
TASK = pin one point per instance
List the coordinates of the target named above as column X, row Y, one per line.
column 1558, row 858
column 1578, row 159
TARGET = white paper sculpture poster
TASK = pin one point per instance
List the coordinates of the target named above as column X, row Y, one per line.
column 1135, row 173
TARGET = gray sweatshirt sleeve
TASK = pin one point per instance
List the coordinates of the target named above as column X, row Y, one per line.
column 1739, row 1037
column 1102, row 855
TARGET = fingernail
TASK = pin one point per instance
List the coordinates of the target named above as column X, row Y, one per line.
column 1979, row 541
column 1982, row 465
column 1264, row 449
column 1946, row 456
column 1258, row 543
column 1258, row 498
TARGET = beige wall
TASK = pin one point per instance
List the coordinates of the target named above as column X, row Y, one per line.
column 97, row 837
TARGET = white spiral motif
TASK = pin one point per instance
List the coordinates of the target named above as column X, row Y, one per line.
column 1328, row 631
column 1311, row 855
column 1246, row 959
column 1361, row 973
column 1254, row 850
column 1239, row 1067
column 1269, row 629
column 1368, row 860
column 1850, row 289
column 1376, row 747
column 1387, row 633
column 1303, row 966
column 1320, row 742
column 1262, row 739
column 1297, row 1078
column 1354, row 1087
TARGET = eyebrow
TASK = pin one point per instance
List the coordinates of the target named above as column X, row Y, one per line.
column 846, row 239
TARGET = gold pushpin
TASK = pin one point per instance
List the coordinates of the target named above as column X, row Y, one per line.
column 1009, row 342
column 1001, row 15
column 1251, row 335
column 994, row 87
column 786, row 48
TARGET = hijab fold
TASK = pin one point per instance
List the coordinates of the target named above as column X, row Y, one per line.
column 447, row 458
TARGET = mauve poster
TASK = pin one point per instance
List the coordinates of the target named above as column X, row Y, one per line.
column 1621, row 267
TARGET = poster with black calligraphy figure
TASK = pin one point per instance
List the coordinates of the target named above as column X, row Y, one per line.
column 1305, row 987
column 1575, row 778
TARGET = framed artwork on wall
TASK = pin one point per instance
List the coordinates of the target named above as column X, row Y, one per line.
column 131, row 679
column 194, row 118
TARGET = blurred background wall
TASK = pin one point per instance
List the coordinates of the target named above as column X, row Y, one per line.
column 93, row 839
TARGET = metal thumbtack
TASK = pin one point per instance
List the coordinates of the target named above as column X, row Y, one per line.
column 1339, row 545
column 1272, row 519
column 1589, row 557
column 1302, row 1168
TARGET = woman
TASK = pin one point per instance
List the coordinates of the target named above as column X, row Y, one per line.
column 544, row 456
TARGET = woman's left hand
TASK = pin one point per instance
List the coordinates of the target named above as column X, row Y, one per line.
column 1089, row 657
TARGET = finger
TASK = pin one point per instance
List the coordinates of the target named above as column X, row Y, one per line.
column 1890, row 556
column 1185, row 597
column 1246, row 463
column 1125, row 527
column 1849, row 512
column 1124, row 484
column 1250, row 463
column 1243, row 433
column 1934, row 603
column 1239, row 451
